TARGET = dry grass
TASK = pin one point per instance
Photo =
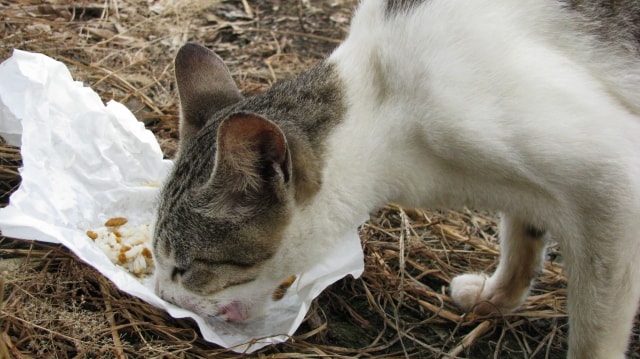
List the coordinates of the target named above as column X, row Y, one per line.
column 53, row 305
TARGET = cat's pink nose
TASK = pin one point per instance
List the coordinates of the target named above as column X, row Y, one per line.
column 234, row 312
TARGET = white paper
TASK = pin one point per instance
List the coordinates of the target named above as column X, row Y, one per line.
column 84, row 162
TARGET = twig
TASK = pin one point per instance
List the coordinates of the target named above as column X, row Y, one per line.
column 548, row 339
column 470, row 338
column 247, row 9
column 439, row 311
column 117, row 344
column 296, row 33
column 4, row 338
column 496, row 353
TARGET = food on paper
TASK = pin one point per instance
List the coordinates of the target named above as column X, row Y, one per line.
column 126, row 245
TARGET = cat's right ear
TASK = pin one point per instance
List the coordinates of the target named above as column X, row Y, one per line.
column 205, row 86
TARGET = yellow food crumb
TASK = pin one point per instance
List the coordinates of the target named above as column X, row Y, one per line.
column 93, row 235
column 115, row 222
column 282, row 288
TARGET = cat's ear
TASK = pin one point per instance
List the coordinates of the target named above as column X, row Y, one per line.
column 205, row 86
column 253, row 156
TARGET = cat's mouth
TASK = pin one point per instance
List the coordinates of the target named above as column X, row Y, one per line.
column 234, row 312
column 238, row 311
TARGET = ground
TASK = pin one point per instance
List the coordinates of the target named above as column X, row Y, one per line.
column 54, row 305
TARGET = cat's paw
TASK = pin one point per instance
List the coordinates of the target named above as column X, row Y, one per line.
column 467, row 289
column 484, row 295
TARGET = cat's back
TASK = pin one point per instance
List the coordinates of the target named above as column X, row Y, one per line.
column 616, row 22
column 491, row 47
column 600, row 23
column 489, row 77
column 611, row 21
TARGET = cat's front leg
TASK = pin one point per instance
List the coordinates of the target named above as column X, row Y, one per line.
column 521, row 256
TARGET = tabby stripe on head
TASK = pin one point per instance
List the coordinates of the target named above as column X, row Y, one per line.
column 395, row 7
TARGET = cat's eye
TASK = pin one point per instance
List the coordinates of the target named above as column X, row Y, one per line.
column 177, row 272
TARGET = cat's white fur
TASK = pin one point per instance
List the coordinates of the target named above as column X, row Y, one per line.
column 495, row 104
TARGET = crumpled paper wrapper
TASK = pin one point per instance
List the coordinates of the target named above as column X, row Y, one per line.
column 84, row 162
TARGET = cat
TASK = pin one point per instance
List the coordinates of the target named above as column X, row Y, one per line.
column 530, row 108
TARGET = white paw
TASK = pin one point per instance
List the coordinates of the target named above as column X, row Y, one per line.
column 467, row 290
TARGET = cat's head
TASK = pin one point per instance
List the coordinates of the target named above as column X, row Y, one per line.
column 226, row 207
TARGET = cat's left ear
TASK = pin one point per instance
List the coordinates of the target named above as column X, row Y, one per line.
column 205, row 86
column 253, row 154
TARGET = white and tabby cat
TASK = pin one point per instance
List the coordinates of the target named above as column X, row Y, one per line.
column 529, row 107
